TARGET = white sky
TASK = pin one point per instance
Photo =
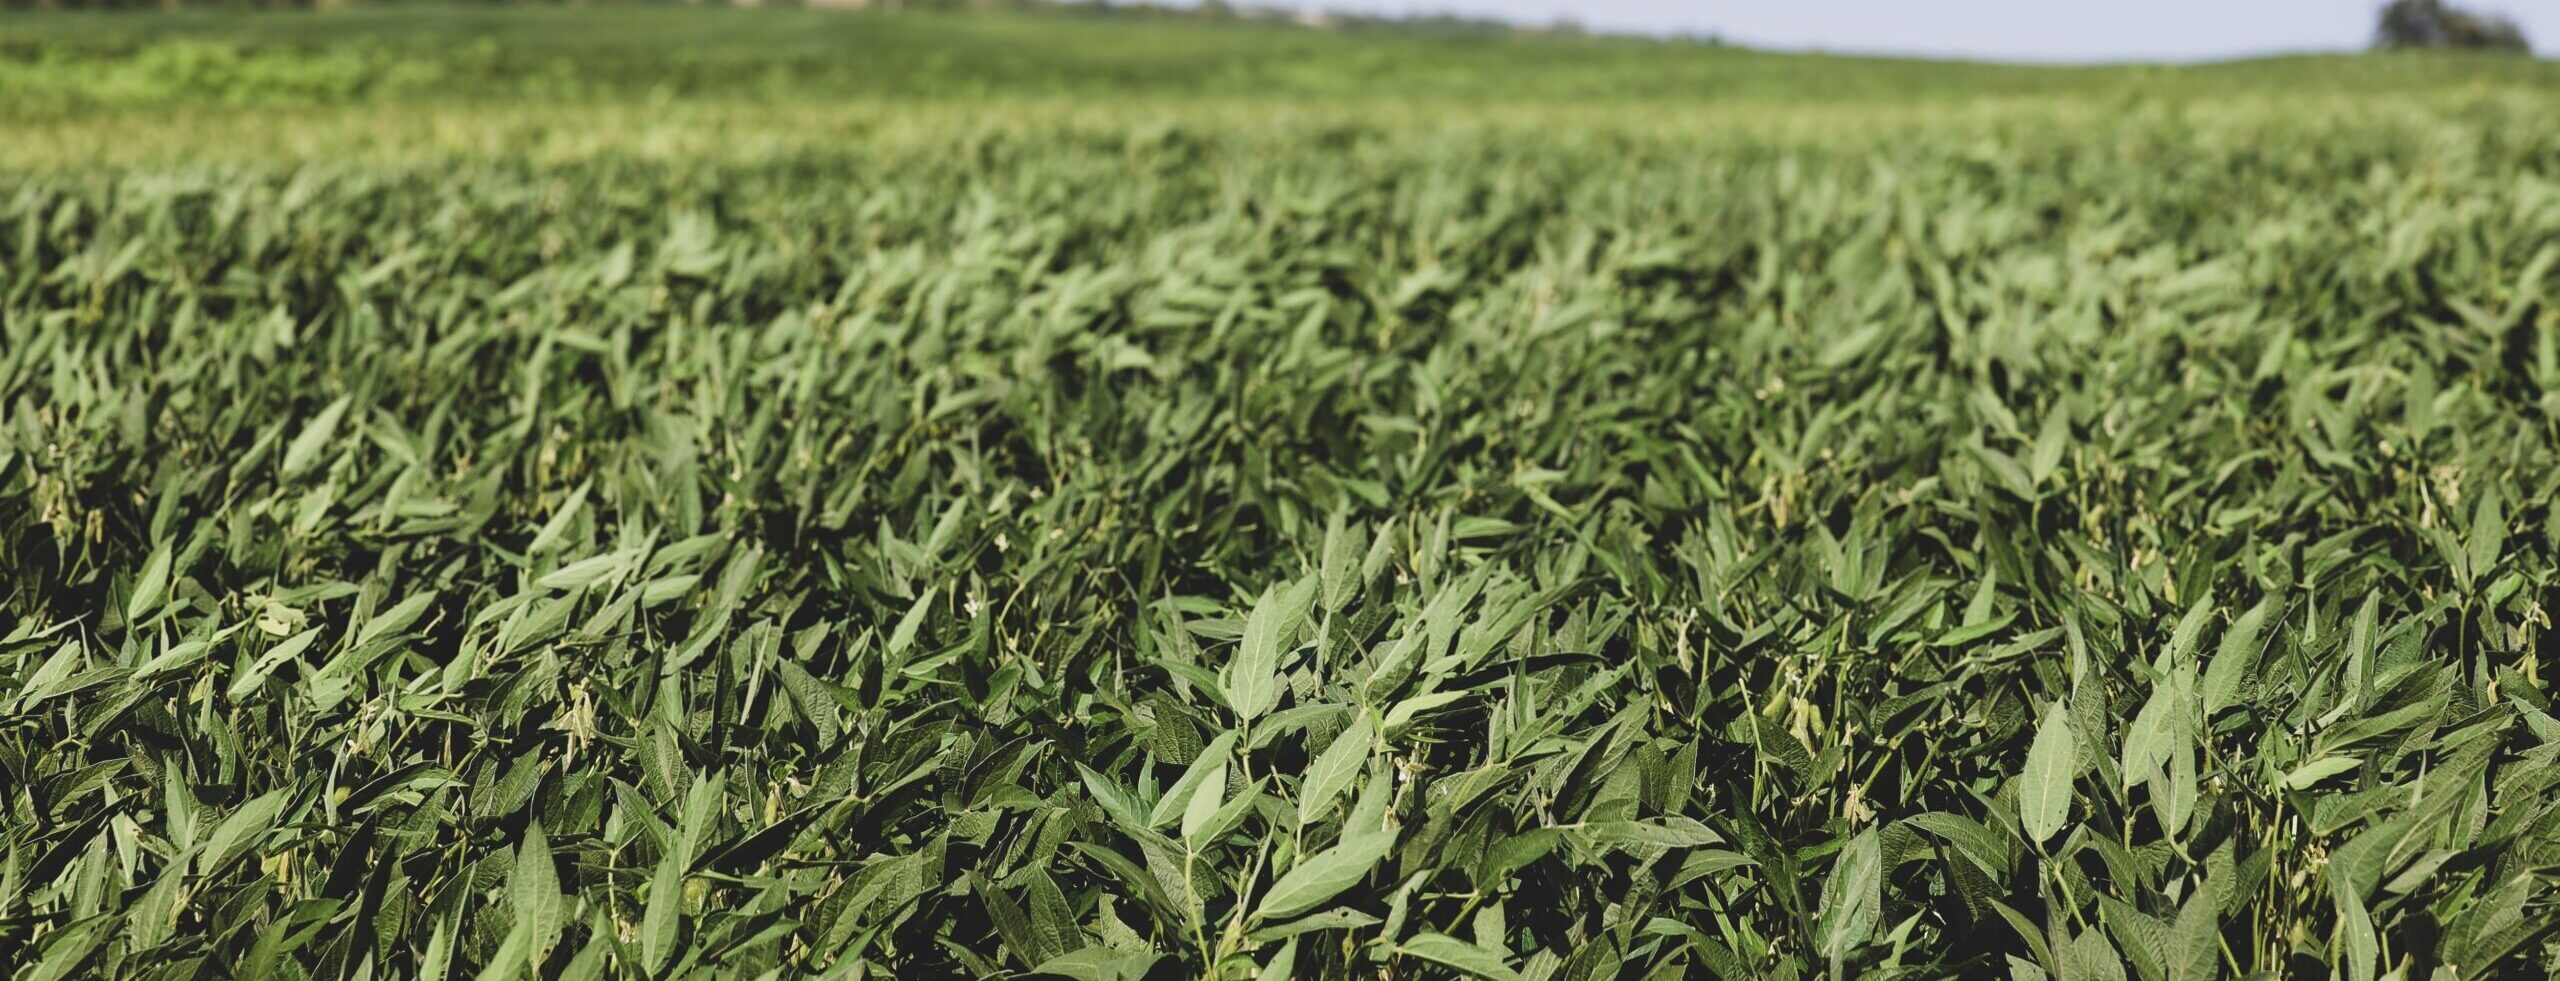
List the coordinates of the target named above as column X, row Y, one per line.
column 2035, row 30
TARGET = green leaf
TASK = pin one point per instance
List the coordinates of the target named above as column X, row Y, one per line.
column 401, row 616
column 2150, row 739
column 1323, row 875
column 549, row 536
column 809, row 696
column 1212, row 762
column 903, row 636
column 2174, row 796
column 2044, row 789
column 439, row 954
column 1666, row 832
column 2488, row 537
column 1283, row 965
column 2091, row 958
column 2317, row 770
column 1099, row 964
column 243, row 829
column 1852, row 898
column 1116, row 803
column 1401, row 716
column 587, row 572
column 534, row 890
column 64, row 952
column 1252, row 680
column 1206, row 796
column 149, row 587
column 177, row 657
column 663, row 915
column 1332, row 919
column 2195, row 942
column 2190, row 631
column 1459, row 955
column 1333, row 770
column 2051, row 441
column 1340, row 574
column 2359, row 944
column 315, row 436
column 2228, row 678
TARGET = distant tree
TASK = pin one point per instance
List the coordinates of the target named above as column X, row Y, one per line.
column 2432, row 24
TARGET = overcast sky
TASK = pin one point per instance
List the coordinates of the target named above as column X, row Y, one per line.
column 2040, row 30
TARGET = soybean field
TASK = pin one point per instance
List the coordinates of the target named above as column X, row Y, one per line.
column 787, row 493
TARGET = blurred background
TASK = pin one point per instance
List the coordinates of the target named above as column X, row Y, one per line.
column 2004, row 30
column 58, row 55
column 2016, row 30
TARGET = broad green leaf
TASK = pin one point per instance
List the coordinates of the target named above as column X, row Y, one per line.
column 2228, row 678
column 1252, row 680
column 1666, row 832
column 65, row 952
column 1459, row 955
column 1340, row 574
column 1116, row 803
column 399, row 617
column 1283, row 965
column 2089, row 957
column 1332, row 771
column 1212, row 762
column 2044, row 788
column 150, row 586
column 243, row 829
column 1852, row 898
column 2195, row 942
column 1402, row 715
column 2189, row 632
column 2317, row 770
column 315, row 436
column 534, row 891
column 2051, row 441
column 1099, row 964
column 1332, row 919
column 1206, row 797
column 1322, row 876
column 663, row 914
column 2150, row 739
column 2488, row 537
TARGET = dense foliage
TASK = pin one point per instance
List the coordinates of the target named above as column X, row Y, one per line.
column 1367, row 539
column 2432, row 24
